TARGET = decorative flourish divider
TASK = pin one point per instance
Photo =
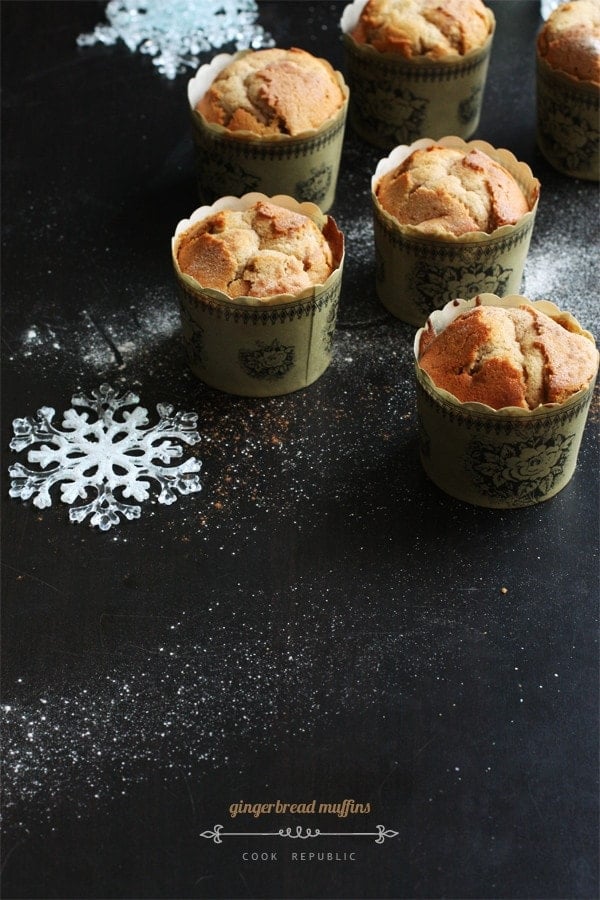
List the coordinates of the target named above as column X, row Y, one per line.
column 217, row 834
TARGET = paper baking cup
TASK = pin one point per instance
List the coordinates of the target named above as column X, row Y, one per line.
column 394, row 100
column 503, row 458
column 417, row 273
column 568, row 120
column 259, row 347
column 237, row 162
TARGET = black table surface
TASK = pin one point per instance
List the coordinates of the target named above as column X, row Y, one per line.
column 319, row 622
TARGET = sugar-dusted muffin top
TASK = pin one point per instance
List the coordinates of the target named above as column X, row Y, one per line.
column 508, row 357
column 424, row 27
column 273, row 91
column 443, row 190
column 259, row 252
column 570, row 40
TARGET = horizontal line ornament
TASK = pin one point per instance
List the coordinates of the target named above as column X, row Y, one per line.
column 298, row 833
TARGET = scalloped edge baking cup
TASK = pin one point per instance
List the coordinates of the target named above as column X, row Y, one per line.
column 567, row 122
column 305, row 166
column 394, row 100
column 417, row 273
column 259, row 347
column 504, row 458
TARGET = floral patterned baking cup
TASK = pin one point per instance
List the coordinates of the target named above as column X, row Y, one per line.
column 394, row 100
column 304, row 166
column 417, row 273
column 568, row 122
column 260, row 347
column 503, row 458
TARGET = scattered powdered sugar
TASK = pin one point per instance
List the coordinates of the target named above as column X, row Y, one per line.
column 549, row 275
column 206, row 691
column 197, row 691
column 562, row 262
column 175, row 34
column 99, row 342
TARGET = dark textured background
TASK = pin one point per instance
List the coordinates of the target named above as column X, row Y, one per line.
column 320, row 622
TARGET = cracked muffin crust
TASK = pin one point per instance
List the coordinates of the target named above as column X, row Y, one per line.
column 569, row 40
column 442, row 190
column 274, row 91
column 424, row 28
column 509, row 357
column 262, row 251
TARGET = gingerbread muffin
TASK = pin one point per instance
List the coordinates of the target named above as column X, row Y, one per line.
column 446, row 190
column 568, row 89
column 258, row 252
column 271, row 121
column 260, row 280
column 504, row 385
column 569, row 41
column 416, row 68
column 451, row 219
column 424, row 28
column 516, row 356
column 273, row 91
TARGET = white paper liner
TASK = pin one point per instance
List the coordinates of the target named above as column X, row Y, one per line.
column 351, row 15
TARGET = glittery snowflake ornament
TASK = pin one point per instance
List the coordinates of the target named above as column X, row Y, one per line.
column 108, row 450
column 176, row 33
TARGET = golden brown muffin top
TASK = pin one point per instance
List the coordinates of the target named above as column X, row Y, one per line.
column 570, row 40
column 258, row 252
column 442, row 190
column 508, row 357
column 273, row 91
column 424, row 28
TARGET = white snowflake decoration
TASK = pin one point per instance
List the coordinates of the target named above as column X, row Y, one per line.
column 176, row 33
column 110, row 453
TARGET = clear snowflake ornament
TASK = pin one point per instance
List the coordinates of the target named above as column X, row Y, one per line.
column 176, row 33
column 105, row 449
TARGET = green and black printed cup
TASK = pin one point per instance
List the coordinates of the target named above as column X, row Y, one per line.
column 395, row 100
column 417, row 273
column 260, row 347
column 304, row 166
column 501, row 458
column 568, row 122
